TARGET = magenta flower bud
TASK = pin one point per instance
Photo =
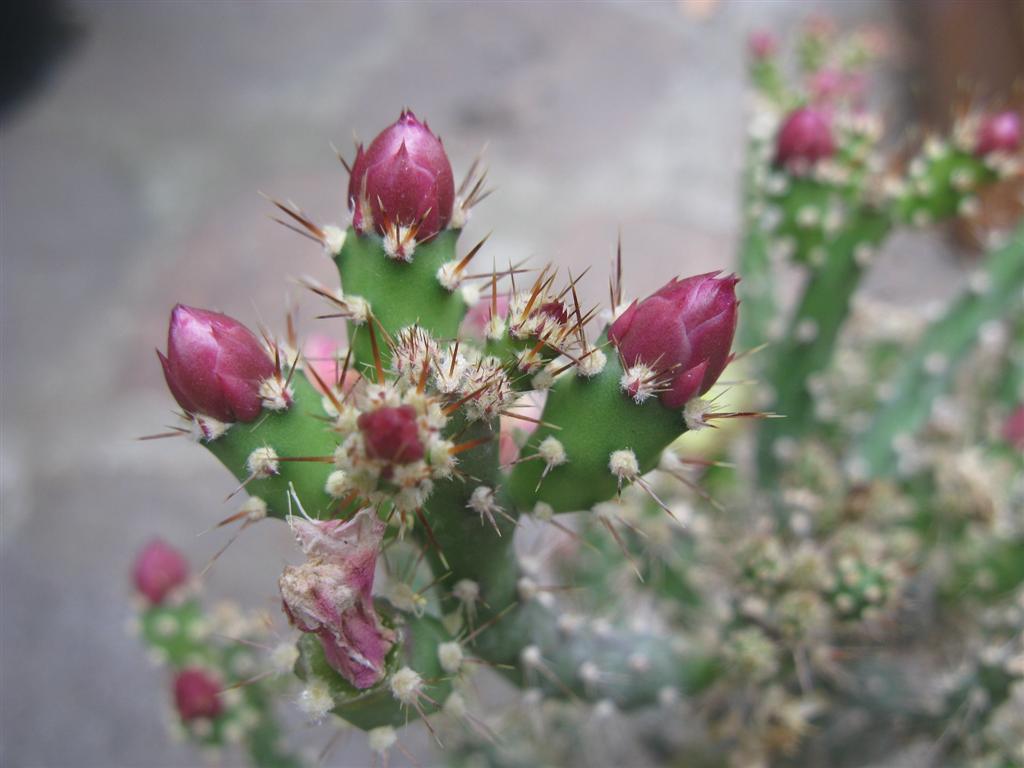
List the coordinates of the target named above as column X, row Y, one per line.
column 1013, row 428
column 391, row 434
column 762, row 45
column 683, row 332
column 196, row 694
column 330, row 594
column 403, row 179
column 159, row 568
column 804, row 138
column 214, row 365
column 999, row 133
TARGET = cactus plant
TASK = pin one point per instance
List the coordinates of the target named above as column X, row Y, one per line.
column 402, row 477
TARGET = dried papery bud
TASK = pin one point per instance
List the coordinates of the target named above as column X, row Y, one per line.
column 804, row 138
column 214, row 365
column 762, row 45
column 402, row 179
column 331, row 594
column 159, row 569
column 999, row 133
column 1013, row 428
column 683, row 331
column 196, row 694
column 391, row 434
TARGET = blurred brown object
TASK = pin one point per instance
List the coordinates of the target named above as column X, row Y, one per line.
column 969, row 53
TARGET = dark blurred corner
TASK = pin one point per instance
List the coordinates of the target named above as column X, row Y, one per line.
column 968, row 52
column 34, row 36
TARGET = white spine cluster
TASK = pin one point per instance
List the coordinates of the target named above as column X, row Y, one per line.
column 263, row 463
column 624, row 465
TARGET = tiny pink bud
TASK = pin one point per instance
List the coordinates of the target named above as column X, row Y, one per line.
column 530, row 410
column 196, row 694
column 391, row 434
column 804, row 138
column 402, row 179
column 330, row 595
column 683, row 331
column 1013, row 429
column 762, row 45
column 158, row 569
column 323, row 356
column 479, row 315
column 999, row 133
column 214, row 365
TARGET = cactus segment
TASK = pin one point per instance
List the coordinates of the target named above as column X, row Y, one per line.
column 399, row 293
column 594, row 419
column 299, row 432
column 927, row 372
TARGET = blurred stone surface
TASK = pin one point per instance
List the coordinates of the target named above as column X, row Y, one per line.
column 130, row 182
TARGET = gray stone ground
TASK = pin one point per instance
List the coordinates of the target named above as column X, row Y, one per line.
column 130, row 182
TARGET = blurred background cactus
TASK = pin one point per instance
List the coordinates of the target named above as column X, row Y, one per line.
column 738, row 513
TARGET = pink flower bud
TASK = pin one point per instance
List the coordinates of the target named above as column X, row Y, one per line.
column 330, row 594
column 1013, row 429
column 999, row 133
column 323, row 356
column 196, row 694
column 158, row 569
column 528, row 407
column 683, row 331
column 391, row 434
column 214, row 365
column 804, row 138
column 402, row 179
column 762, row 45
column 479, row 315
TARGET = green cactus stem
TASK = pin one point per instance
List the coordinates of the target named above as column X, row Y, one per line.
column 808, row 345
column 928, row 369
column 591, row 418
column 300, row 432
column 400, row 294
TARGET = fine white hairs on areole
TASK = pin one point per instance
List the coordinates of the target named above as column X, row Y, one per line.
column 262, row 463
column 624, row 465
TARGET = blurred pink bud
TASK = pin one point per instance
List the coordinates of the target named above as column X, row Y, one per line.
column 684, row 331
column 804, row 138
column 402, row 179
column 196, row 694
column 999, row 133
column 508, row 448
column 158, row 569
column 324, row 356
column 214, row 365
column 479, row 315
column 1013, row 429
column 331, row 594
column 391, row 434
column 762, row 45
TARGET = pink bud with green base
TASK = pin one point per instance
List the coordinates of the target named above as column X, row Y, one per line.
column 999, row 133
column 196, row 694
column 402, row 179
column 159, row 569
column 214, row 365
column 683, row 331
column 804, row 139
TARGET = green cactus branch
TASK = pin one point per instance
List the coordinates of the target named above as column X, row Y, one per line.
column 591, row 418
column 807, row 347
column 929, row 368
column 300, row 432
column 400, row 294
